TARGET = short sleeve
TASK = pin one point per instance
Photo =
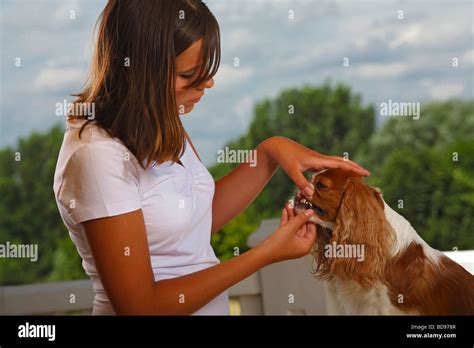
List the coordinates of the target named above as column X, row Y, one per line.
column 99, row 180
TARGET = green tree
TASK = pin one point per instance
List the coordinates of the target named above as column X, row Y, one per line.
column 410, row 160
column 427, row 163
column 328, row 119
column 231, row 239
column 28, row 211
column 440, row 124
column 434, row 190
column 414, row 162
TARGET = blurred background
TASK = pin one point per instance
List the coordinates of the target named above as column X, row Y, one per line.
column 318, row 72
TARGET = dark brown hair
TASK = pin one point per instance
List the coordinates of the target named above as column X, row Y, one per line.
column 136, row 102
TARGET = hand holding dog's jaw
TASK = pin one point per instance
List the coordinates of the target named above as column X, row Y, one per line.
column 293, row 239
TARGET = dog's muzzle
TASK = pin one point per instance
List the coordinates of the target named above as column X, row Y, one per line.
column 301, row 203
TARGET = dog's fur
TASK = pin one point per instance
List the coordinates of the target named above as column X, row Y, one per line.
column 400, row 272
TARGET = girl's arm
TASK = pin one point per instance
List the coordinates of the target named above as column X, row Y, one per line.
column 119, row 247
column 235, row 191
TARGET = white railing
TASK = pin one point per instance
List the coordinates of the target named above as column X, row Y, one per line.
column 77, row 296
column 281, row 288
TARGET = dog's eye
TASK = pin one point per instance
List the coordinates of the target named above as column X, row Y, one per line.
column 320, row 186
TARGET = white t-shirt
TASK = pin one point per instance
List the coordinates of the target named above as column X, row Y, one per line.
column 97, row 176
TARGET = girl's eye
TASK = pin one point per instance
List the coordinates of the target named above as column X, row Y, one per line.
column 187, row 76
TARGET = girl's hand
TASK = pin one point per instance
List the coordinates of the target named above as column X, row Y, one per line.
column 295, row 159
column 293, row 239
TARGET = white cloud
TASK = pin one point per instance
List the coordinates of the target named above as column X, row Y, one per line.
column 442, row 90
column 63, row 61
column 362, row 42
column 238, row 39
column 378, row 70
column 446, row 91
column 408, row 36
column 468, row 57
column 58, row 78
column 279, row 53
column 450, row 28
column 229, row 76
column 243, row 109
column 67, row 10
column 235, row 11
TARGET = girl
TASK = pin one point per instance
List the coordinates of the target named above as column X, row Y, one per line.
column 130, row 187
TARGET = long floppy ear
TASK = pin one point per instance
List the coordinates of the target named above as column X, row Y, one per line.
column 378, row 195
column 361, row 235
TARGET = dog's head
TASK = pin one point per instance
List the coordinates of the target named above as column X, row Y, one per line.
column 349, row 214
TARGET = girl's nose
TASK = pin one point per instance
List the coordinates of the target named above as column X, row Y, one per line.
column 209, row 83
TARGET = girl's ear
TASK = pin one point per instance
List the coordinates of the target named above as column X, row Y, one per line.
column 362, row 235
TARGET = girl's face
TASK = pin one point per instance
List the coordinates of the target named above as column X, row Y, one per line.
column 187, row 67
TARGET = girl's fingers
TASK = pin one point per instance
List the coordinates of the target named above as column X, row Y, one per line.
column 311, row 233
column 291, row 213
column 310, row 230
column 351, row 165
column 284, row 217
column 301, row 231
column 342, row 164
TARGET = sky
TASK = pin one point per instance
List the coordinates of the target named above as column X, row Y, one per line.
column 397, row 50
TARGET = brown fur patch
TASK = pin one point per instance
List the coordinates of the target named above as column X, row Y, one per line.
column 442, row 289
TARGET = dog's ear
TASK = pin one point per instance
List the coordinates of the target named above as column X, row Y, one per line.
column 378, row 195
column 360, row 226
column 321, row 263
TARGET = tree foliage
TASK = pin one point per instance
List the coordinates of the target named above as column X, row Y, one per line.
column 29, row 215
column 425, row 168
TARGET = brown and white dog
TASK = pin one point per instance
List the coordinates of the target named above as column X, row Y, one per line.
column 395, row 271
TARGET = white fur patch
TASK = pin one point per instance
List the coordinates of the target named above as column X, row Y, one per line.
column 405, row 234
column 348, row 297
column 327, row 224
